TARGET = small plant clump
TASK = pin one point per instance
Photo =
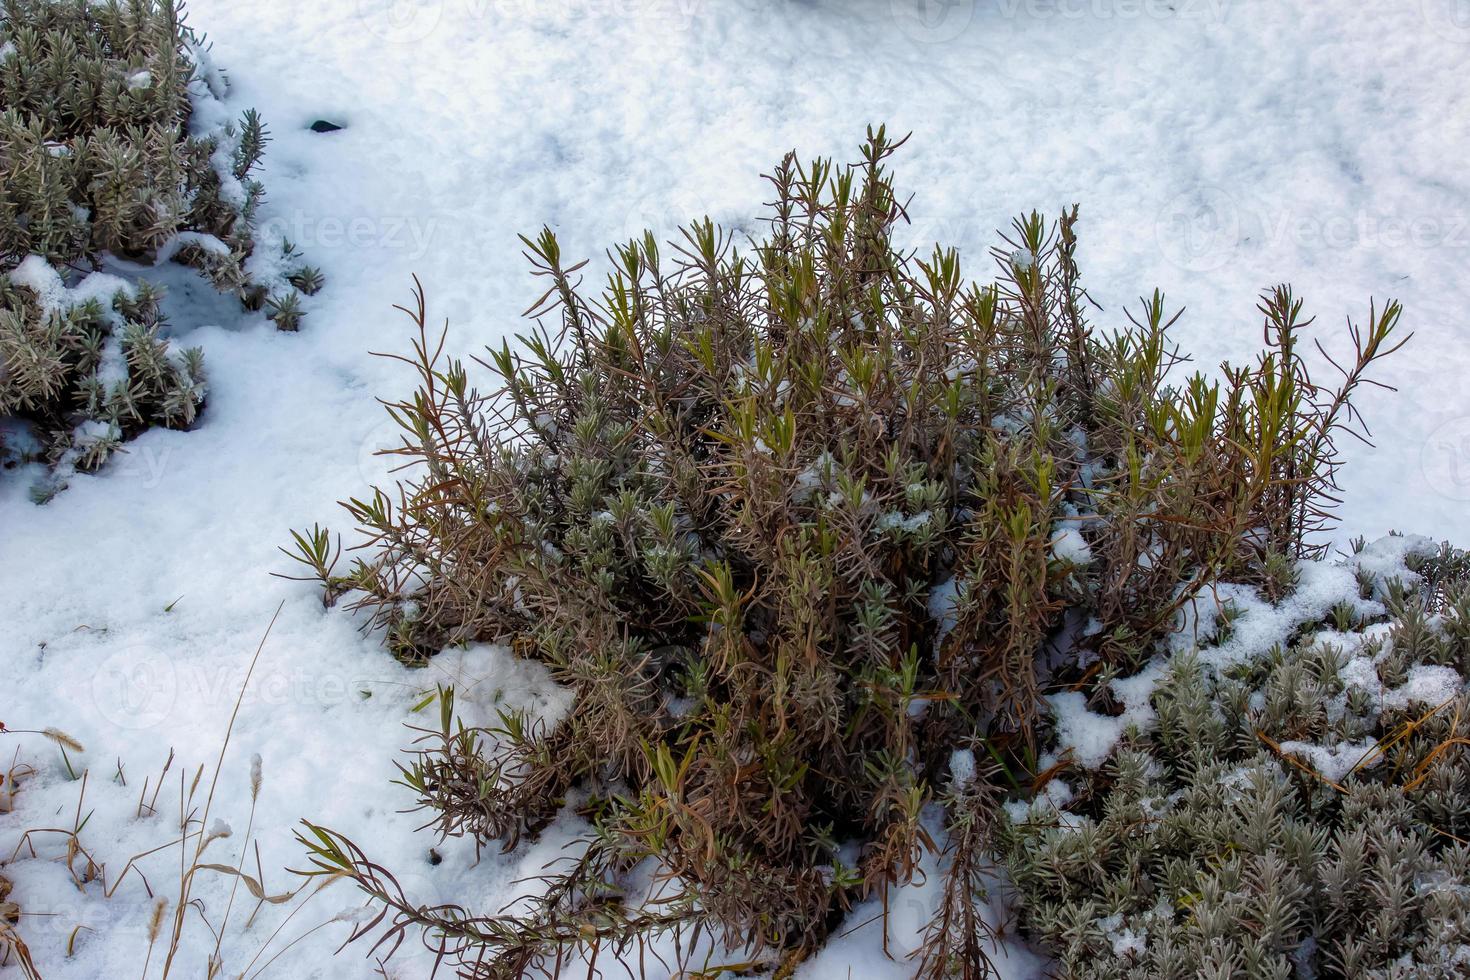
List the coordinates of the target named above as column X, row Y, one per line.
column 796, row 523
column 1298, row 813
column 109, row 362
column 113, row 142
column 167, row 872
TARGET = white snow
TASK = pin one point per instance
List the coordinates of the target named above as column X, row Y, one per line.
column 209, row 243
column 1255, row 626
column 860, row 950
column 962, row 767
column 1068, row 545
column 896, row 520
column 113, row 366
column 1212, row 156
column 1046, row 807
column 1127, row 944
column 1336, row 761
column 94, row 430
column 944, row 603
column 1428, row 685
column 1092, row 736
column 35, row 273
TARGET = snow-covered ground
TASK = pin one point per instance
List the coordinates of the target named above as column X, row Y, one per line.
column 1216, row 147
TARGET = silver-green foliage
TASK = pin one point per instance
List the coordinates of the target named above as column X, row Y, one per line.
column 101, row 153
column 1206, row 847
column 95, row 149
column 109, row 361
